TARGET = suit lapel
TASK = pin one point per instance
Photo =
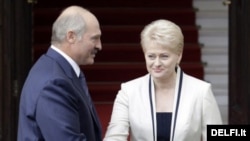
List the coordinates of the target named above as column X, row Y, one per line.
column 67, row 68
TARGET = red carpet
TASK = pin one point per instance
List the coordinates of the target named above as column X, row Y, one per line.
column 121, row 58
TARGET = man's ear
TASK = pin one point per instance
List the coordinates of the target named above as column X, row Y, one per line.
column 71, row 37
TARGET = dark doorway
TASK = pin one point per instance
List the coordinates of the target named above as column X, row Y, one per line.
column 15, row 61
column 239, row 62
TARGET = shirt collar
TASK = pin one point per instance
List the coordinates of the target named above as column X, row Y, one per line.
column 70, row 60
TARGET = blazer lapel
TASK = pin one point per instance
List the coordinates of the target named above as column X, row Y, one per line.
column 178, row 91
column 150, row 99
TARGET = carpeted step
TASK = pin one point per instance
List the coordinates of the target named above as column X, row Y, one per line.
column 142, row 16
column 104, row 111
column 115, row 3
column 127, row 52
column 103, row 91
column 117, row 34
column 123, row 15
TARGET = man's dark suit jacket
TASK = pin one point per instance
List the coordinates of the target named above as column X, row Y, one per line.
column 54, row 106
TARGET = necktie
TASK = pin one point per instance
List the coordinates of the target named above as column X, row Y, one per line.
column 86, row 91
column 85, row 88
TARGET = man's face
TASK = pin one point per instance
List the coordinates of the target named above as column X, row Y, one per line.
column 86, row 48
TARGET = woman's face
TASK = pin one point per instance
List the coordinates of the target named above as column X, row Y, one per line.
column 161, row 61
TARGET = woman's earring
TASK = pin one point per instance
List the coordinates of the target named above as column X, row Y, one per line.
column 176, row 67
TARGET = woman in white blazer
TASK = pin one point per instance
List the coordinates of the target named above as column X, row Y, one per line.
column 166, row 104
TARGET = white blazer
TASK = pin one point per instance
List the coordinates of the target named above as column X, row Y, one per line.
column 132, row 111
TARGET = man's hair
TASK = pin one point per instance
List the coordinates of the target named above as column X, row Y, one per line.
column 71, row 19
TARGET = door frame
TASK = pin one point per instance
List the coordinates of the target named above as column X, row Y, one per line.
column 239, row 62
column 15, row 61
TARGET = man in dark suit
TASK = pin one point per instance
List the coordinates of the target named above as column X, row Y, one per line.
column 55, row 104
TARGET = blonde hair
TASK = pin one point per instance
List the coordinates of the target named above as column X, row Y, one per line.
column 164, row 33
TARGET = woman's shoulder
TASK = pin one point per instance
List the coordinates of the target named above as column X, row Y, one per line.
column 133, row 87
column 137, row 81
